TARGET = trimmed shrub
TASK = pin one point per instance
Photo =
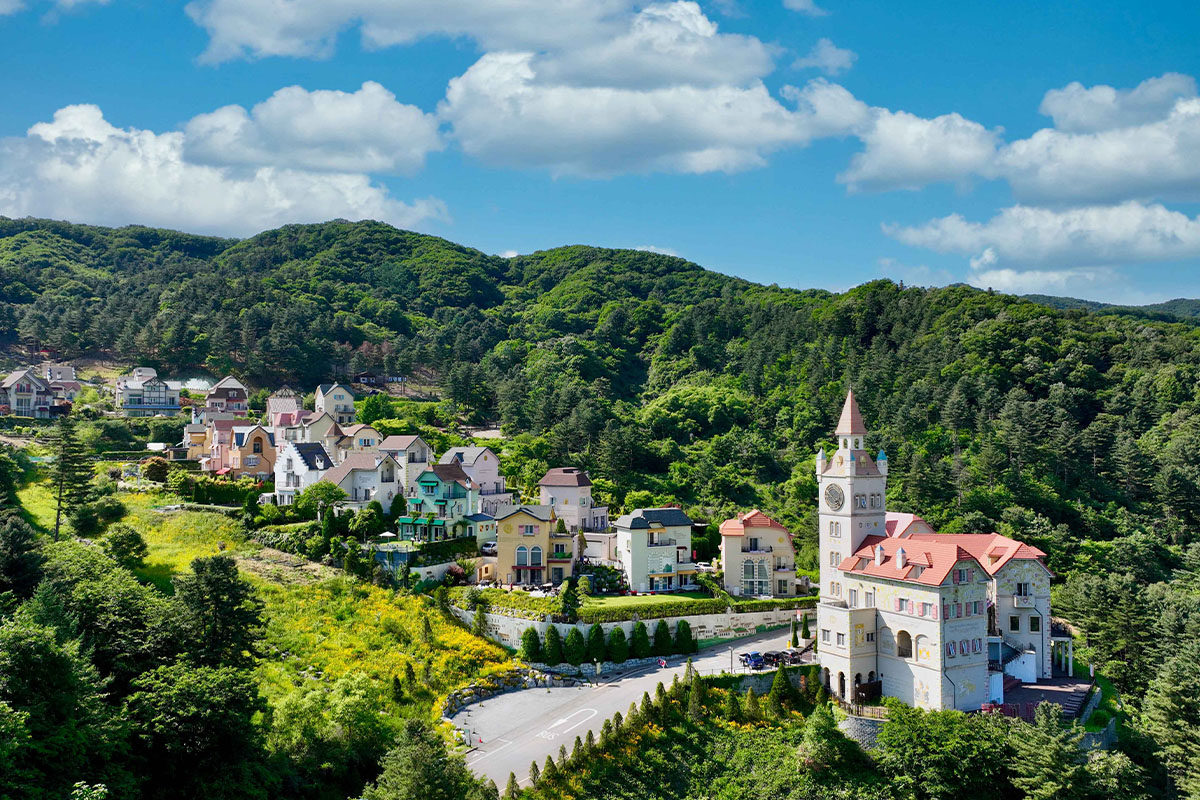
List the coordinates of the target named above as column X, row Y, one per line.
column 531, row 645
column 640, row 642
column 575, row 649
column 552, row 649
column 662, row 638
column 618, row 646
column 684, row 642
column 596, row 649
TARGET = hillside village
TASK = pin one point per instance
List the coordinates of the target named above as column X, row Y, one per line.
column 939, row 621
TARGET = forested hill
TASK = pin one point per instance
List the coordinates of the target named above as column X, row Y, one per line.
column 658, row 375
column 1170, row 310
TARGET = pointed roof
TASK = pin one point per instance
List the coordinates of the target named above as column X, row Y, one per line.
column 851, row 423
column 737, row 526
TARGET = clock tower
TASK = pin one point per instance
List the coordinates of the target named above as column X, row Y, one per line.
column 852, row 488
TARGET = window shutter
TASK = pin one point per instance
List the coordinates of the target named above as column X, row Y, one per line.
column 910, row 606
column 935, row 614
column 896, row 603
column 921, row 610
column 946, row 611
column 971, row 575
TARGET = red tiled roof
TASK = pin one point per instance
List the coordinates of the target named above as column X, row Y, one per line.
column 565, row 476
column 936, row 557
column 991, row 550
column 753, row 519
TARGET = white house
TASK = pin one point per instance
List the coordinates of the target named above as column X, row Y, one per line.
column 337, row 400
column 228, row 394
column 142, row 393
column 483, row 467
column 413, row 454
column 298, row 465
column 654, row 546
column 365, row 477
column 905, row 611
column 569, row 490
column 757, row 556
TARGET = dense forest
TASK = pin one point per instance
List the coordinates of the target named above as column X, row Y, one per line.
column 1076, row 429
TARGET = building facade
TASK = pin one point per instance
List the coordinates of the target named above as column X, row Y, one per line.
column 757, row 557
column 903, row 610
column 228, row 394
column 484, row 468
column 298, row 465
column 569, row 490
column 528, row 551
column 654, row 546
column 336, row 400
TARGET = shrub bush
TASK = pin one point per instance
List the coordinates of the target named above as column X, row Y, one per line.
column 597, row 651
column 552, row 648
column 531, row 645
column 618, row 646
column 575, row 649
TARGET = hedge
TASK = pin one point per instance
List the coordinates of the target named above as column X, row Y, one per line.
column 656, row 609
column 512, row 604
column 233, row 512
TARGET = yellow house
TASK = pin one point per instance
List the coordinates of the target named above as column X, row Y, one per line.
column 528, row 551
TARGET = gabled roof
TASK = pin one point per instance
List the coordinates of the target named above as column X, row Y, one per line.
column 228, row 382
column 901, row 525
column 312, row 454
column 399, row 442
column 991, row 550
column 326, row 388
column 22, row 375
column 464, row 455
column 452, row 473
column 242, row 433
column 480, row 517
column 565, row 476
column 738, row 525
column 354, row 430
column 851, row 422
column 355, row 462
column 645, row 518
column 936, row 558
column 543, row 513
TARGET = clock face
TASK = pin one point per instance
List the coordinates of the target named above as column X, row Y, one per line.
column 834, row 497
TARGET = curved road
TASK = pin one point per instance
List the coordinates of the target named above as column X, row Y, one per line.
column 509, row 731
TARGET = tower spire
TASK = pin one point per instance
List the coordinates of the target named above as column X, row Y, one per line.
column 851, row 423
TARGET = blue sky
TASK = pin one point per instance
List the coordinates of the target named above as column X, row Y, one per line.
column 1025, row 146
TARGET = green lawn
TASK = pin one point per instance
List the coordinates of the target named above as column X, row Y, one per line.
column 38, row 501
column 612, row 601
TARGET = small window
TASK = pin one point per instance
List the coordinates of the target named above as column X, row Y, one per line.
column 1014, row 624
column 869, row 600
column 834, row 558
column 841, row 640
column 825, row 635
column 870, row 637
column 950, row 650
column 852, row 598
column 1035, row 625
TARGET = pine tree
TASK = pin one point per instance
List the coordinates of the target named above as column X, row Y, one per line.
column 589, row 742
column 732, row 709
column 426, row 631
column 71, row 475
column 632, row 717
column 750, row 707
column 535, row 774
column 562, row 756
column 1048, row 764
column 696, row 701
column 780, row 697
column 647, row 706
column 818, row 748
column 1172, row 717
column 689, row 672
column 577, row 752
column 661, row 701
column 550, row 771
column 595, row 643
column 639, row 644
column 491, row 791
column 513, row 790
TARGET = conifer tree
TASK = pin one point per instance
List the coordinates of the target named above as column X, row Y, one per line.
column 647, row 706
column 590, row 742
column 732, row 709
column 794, row 641
column 639, row 643
column 696, row 701
column 804, row 632
column 1047, row 763
column 71, row 474
column 562, row 756
column 596, row 651
column 531, row 645
column 575, row 649
column 491, row 791
column 577, row 751
column 662, row 638
column 750, row 707
column 618, row 646
column 1172, row 718
column 552, row 648
column 513, row 790
column 549, row 771
column 684, row 643
column 780, row 697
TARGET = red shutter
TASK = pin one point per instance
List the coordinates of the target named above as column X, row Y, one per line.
column 935, row 605
column 971, row 575
column 946, row 611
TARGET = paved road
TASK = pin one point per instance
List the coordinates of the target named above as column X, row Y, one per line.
column 511, row 730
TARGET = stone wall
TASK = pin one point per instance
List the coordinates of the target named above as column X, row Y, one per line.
column 507, row 630
column 864, row 730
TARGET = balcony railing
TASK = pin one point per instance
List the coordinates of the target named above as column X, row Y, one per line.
column 1022, row 601
column 785, row 567
column 660, row 543
column 756, row 549
column 490, row 492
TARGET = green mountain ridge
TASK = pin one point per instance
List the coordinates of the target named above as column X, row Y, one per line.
column 1181, row 308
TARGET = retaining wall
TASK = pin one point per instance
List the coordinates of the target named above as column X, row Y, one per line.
column 507, row 630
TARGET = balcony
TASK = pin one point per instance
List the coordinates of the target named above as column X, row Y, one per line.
column 1023, row 601
column 490, row 492
column 756, row 549
column 785, row 567
column 652, row 542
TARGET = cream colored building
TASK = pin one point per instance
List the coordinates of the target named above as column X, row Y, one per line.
column 757, row 557
column 654, row 546
column 905, row 606
column 528, row 551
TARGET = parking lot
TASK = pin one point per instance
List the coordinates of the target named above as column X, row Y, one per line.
column 509, row 731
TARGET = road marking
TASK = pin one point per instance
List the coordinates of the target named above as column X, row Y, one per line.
column 482, row 756
column 551, row 735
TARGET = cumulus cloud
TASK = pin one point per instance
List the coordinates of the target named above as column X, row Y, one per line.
column 1080, row 280
column 650, row 248
column 664, row 44
column 904, row 151
column 309, row 28
column 808, row 7
column 827, row 57
column 1091, row 236
column 363, row 131
column 1077, row 109
column 503, row 114
column 80, row 167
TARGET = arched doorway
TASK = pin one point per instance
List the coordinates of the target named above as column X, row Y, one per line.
column 904, row 648
column 842, row 685
column 871, row 676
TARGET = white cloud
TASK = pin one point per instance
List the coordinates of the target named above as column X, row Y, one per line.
column 1079, row 280
column 309, row 28
column 503, row 114
column 664, row 44
column 363, row 131
column 827, row 57
column 903, row 151
column 808, row 7
column 1077, row 109
column 1159, row 159
column 508, row 254
column 918, row 275
column 13, row 6
column 82, row 168
column 10, row 7
column 649, row 248
column 1088, row 237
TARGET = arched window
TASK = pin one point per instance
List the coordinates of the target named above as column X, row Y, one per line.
column 522, row 556
column 535, row 556
column 904, row 643
column 258, row 445
column 754, row 577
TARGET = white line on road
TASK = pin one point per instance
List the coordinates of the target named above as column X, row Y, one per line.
column 482, row 756
column 591, row 712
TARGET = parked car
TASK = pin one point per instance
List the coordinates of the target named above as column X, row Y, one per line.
column 489, row 549
column 753, row 660
column 772, row 658
column 794, row 656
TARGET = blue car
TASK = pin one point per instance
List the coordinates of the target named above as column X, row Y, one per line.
column 752, row 660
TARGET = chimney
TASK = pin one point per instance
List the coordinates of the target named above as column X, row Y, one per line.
column 879, row 555
column 901, row 559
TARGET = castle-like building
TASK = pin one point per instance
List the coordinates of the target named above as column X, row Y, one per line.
column 937, row 620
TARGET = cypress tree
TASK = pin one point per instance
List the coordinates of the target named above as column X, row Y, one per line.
column 794, row 641
column 804, row 634
column 618, row 646
column 531, row 645
column 661, row 702
column 689, row 672
column 684, row 643
column 750, row 708
column 72, row 474
column 696, row 702
column 590, row 742
column 552, row 648
column 639, row 644
column 535, row 774
column 575, row 649
column 780, row 696
column 662, row 638
column 732, row 710
column 595, row 643
column 513, row 790
column 647, row 706
column 577, row 752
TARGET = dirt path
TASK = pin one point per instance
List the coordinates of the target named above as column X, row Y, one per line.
column 284, row 568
